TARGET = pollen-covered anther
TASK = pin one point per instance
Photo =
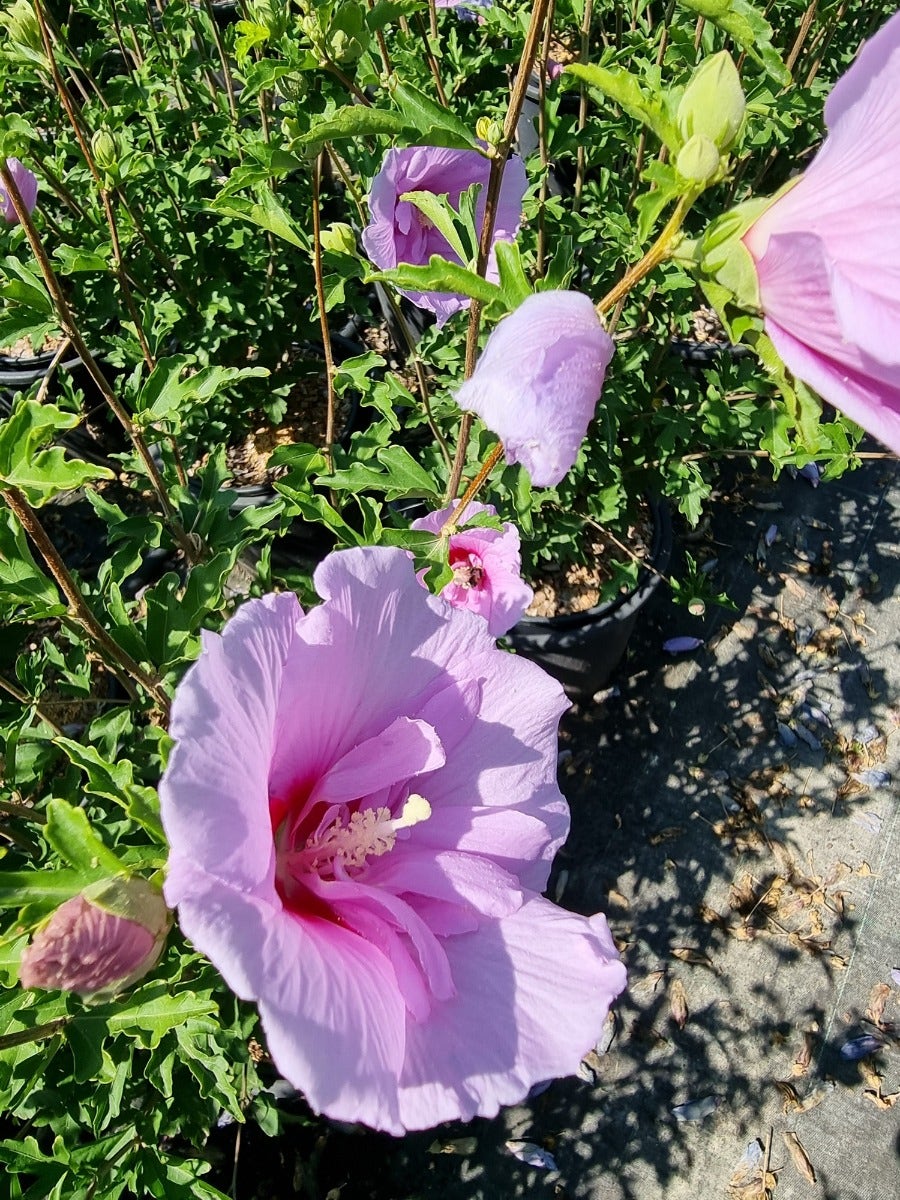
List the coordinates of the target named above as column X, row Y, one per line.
column 369, row 833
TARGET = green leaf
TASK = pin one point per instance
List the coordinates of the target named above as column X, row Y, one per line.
column 73, row 259
column 70, row 834
column 18, row 888
column 153, row 1010
column 514, row 283
column 41, row 474
column 400, row 476
column 750, row 30
column 353, row 121
column 438, row 126
column 625, row 89
column 22, row 582
column 438, row 276
column 438, row 211
column 267, row 212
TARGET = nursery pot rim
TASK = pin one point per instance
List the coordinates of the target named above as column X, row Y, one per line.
column 627, row 602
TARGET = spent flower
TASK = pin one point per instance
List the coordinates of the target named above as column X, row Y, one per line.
column 538, row 381
column 362, row 810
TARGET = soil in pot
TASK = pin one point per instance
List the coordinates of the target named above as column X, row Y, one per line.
column 577, row 640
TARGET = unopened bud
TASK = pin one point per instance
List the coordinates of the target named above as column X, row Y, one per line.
column 100, row 941
column 713, row 103
column 698, row 159
column 27, row 184
column 339, row 238
column 489, row 130
column 106, row 148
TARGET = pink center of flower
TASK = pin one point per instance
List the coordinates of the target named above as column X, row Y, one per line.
column 467, row 568
column 344, row 840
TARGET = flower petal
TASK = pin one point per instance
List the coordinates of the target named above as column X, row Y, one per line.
column 541, row 980
column 213, row 795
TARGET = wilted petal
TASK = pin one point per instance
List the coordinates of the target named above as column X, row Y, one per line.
column 538, row 381
column 682, row 645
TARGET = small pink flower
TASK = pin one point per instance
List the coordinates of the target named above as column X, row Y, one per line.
column 827, row 251
column 362, row 809
column 91, row 946
column 487, row 569
column 554, row 69
column 399, row 233
column 538, row 381
column 27, row 184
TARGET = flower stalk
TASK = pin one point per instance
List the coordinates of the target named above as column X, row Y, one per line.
column 108, row 646
column 658, row 252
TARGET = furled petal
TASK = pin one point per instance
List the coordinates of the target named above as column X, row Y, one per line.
column 539, row 379
column 541, row 980
column 403, row 750
column 27, row 184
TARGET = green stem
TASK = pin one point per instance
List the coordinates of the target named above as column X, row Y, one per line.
column 495, row 179
column 659, row 251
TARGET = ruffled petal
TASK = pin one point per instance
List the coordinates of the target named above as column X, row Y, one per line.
column 542, row 981
column 214, row 794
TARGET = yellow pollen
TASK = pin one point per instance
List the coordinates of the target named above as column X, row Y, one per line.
column 369, row 833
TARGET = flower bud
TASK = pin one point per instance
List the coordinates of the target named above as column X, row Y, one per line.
column 23, row 29
column 698, row 159
column 713, row 102
column 100, row 941
column 489, row 130
column 27, row 184
column 106, row 148
column 339, row 238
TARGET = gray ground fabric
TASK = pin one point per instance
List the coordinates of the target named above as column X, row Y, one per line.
column 750, row 871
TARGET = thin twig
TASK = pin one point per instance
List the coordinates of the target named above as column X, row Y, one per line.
column 495, row 180
column 61, row 352
column 580, row 159
column 323, row 316
column 29, row 702
column 110, row 648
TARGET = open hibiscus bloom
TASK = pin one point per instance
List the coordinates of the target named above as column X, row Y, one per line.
column 827, row 251
column 487, row 568
column 362, row 809
column 538, row 381
column 400, row 233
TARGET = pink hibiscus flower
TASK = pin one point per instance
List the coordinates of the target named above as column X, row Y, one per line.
column 27, row 184
column 827, row 251
column 362, row 809
column 487, row 569
column 399, row 233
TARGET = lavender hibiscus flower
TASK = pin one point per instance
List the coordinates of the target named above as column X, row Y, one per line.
column 399, row 233
column 27, row 184
column 827, row 251
column 538, row 381
column 362, row 810
column 487, row 569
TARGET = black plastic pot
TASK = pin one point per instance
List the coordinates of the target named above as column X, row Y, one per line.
column 583, row 649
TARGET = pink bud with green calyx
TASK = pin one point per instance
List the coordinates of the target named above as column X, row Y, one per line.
column 101, row 941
